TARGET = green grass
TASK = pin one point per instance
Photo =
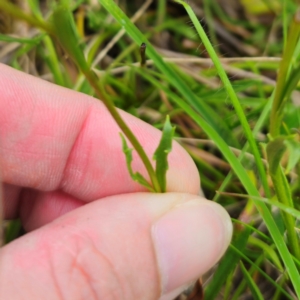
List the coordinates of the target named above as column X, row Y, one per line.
column 214, row 71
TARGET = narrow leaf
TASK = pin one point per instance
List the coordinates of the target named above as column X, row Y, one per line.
column 171, row 74
column 257, row 295
column 161, row 154
column 294, row 154
column 264, row 274
column 12, row 39
column 65, row 31
column 135, row 176
column 227, row 265
column 275, row 151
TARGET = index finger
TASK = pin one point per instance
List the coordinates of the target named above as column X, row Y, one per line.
column 54, row 138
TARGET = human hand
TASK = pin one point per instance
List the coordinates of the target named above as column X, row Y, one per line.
column 93, row 232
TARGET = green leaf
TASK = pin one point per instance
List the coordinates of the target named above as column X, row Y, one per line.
column 255, row 266
column 267, row 250
column 65, row 31
column 231, row 93
column 291, row 85
column 275, row 151
column 11, row 39
column 135, row 176
column 289, row 210
column 294, row 154
column 251, row 284
column 161, row 154
column 227, row 265
column 211, row 117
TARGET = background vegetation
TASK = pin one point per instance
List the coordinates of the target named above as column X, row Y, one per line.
column 243, row 133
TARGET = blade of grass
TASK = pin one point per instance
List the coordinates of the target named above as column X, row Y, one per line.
column 50, row 56
column 209, row 21
column 259, row 123
column 274, row 283
column 257, row 295
column 290, row 210
column 267, row 250
column 276, row 148
column 243, row 285
column 206, row 112
column 232, row 95
column 275, row 151
column 161, row 12
column 227, row 265
column 244, row 178
column 283, row 75
column 11, row 39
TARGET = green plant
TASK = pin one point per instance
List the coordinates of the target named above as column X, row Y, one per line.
column 69, row 40
column 236, row 121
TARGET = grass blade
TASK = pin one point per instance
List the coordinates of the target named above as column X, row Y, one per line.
column 171, row 76
column 251, row 284
column 227, row 265
column 232, row 95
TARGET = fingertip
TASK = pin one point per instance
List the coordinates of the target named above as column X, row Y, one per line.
column 189, row 240
column 183, row 176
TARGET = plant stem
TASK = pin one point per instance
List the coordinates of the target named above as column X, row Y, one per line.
column 284, row 196
column 161, row 12
column 94, row 82
column 279, row 98
column 279, row 180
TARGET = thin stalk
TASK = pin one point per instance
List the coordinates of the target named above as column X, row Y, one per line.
column 255, row 266
column 52, row 57
column 284, row 23
column 94, row 82
column 285, row 197
column 53, row 60
column 237, row 106
column 209, row 20
column 259, row 123
column 280, row 99
column 161, row 12
column 281, row 187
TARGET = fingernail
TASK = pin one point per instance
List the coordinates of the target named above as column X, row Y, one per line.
column 188, row 241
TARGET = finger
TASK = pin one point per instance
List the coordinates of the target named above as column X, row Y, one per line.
column 134, row 246
column 38, row 209
column 54, row 138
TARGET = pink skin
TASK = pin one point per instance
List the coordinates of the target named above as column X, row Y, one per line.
column 65, row 176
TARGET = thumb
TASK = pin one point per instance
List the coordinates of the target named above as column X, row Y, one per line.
column 133, row 246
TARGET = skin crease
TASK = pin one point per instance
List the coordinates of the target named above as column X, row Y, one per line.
column 89, row 224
